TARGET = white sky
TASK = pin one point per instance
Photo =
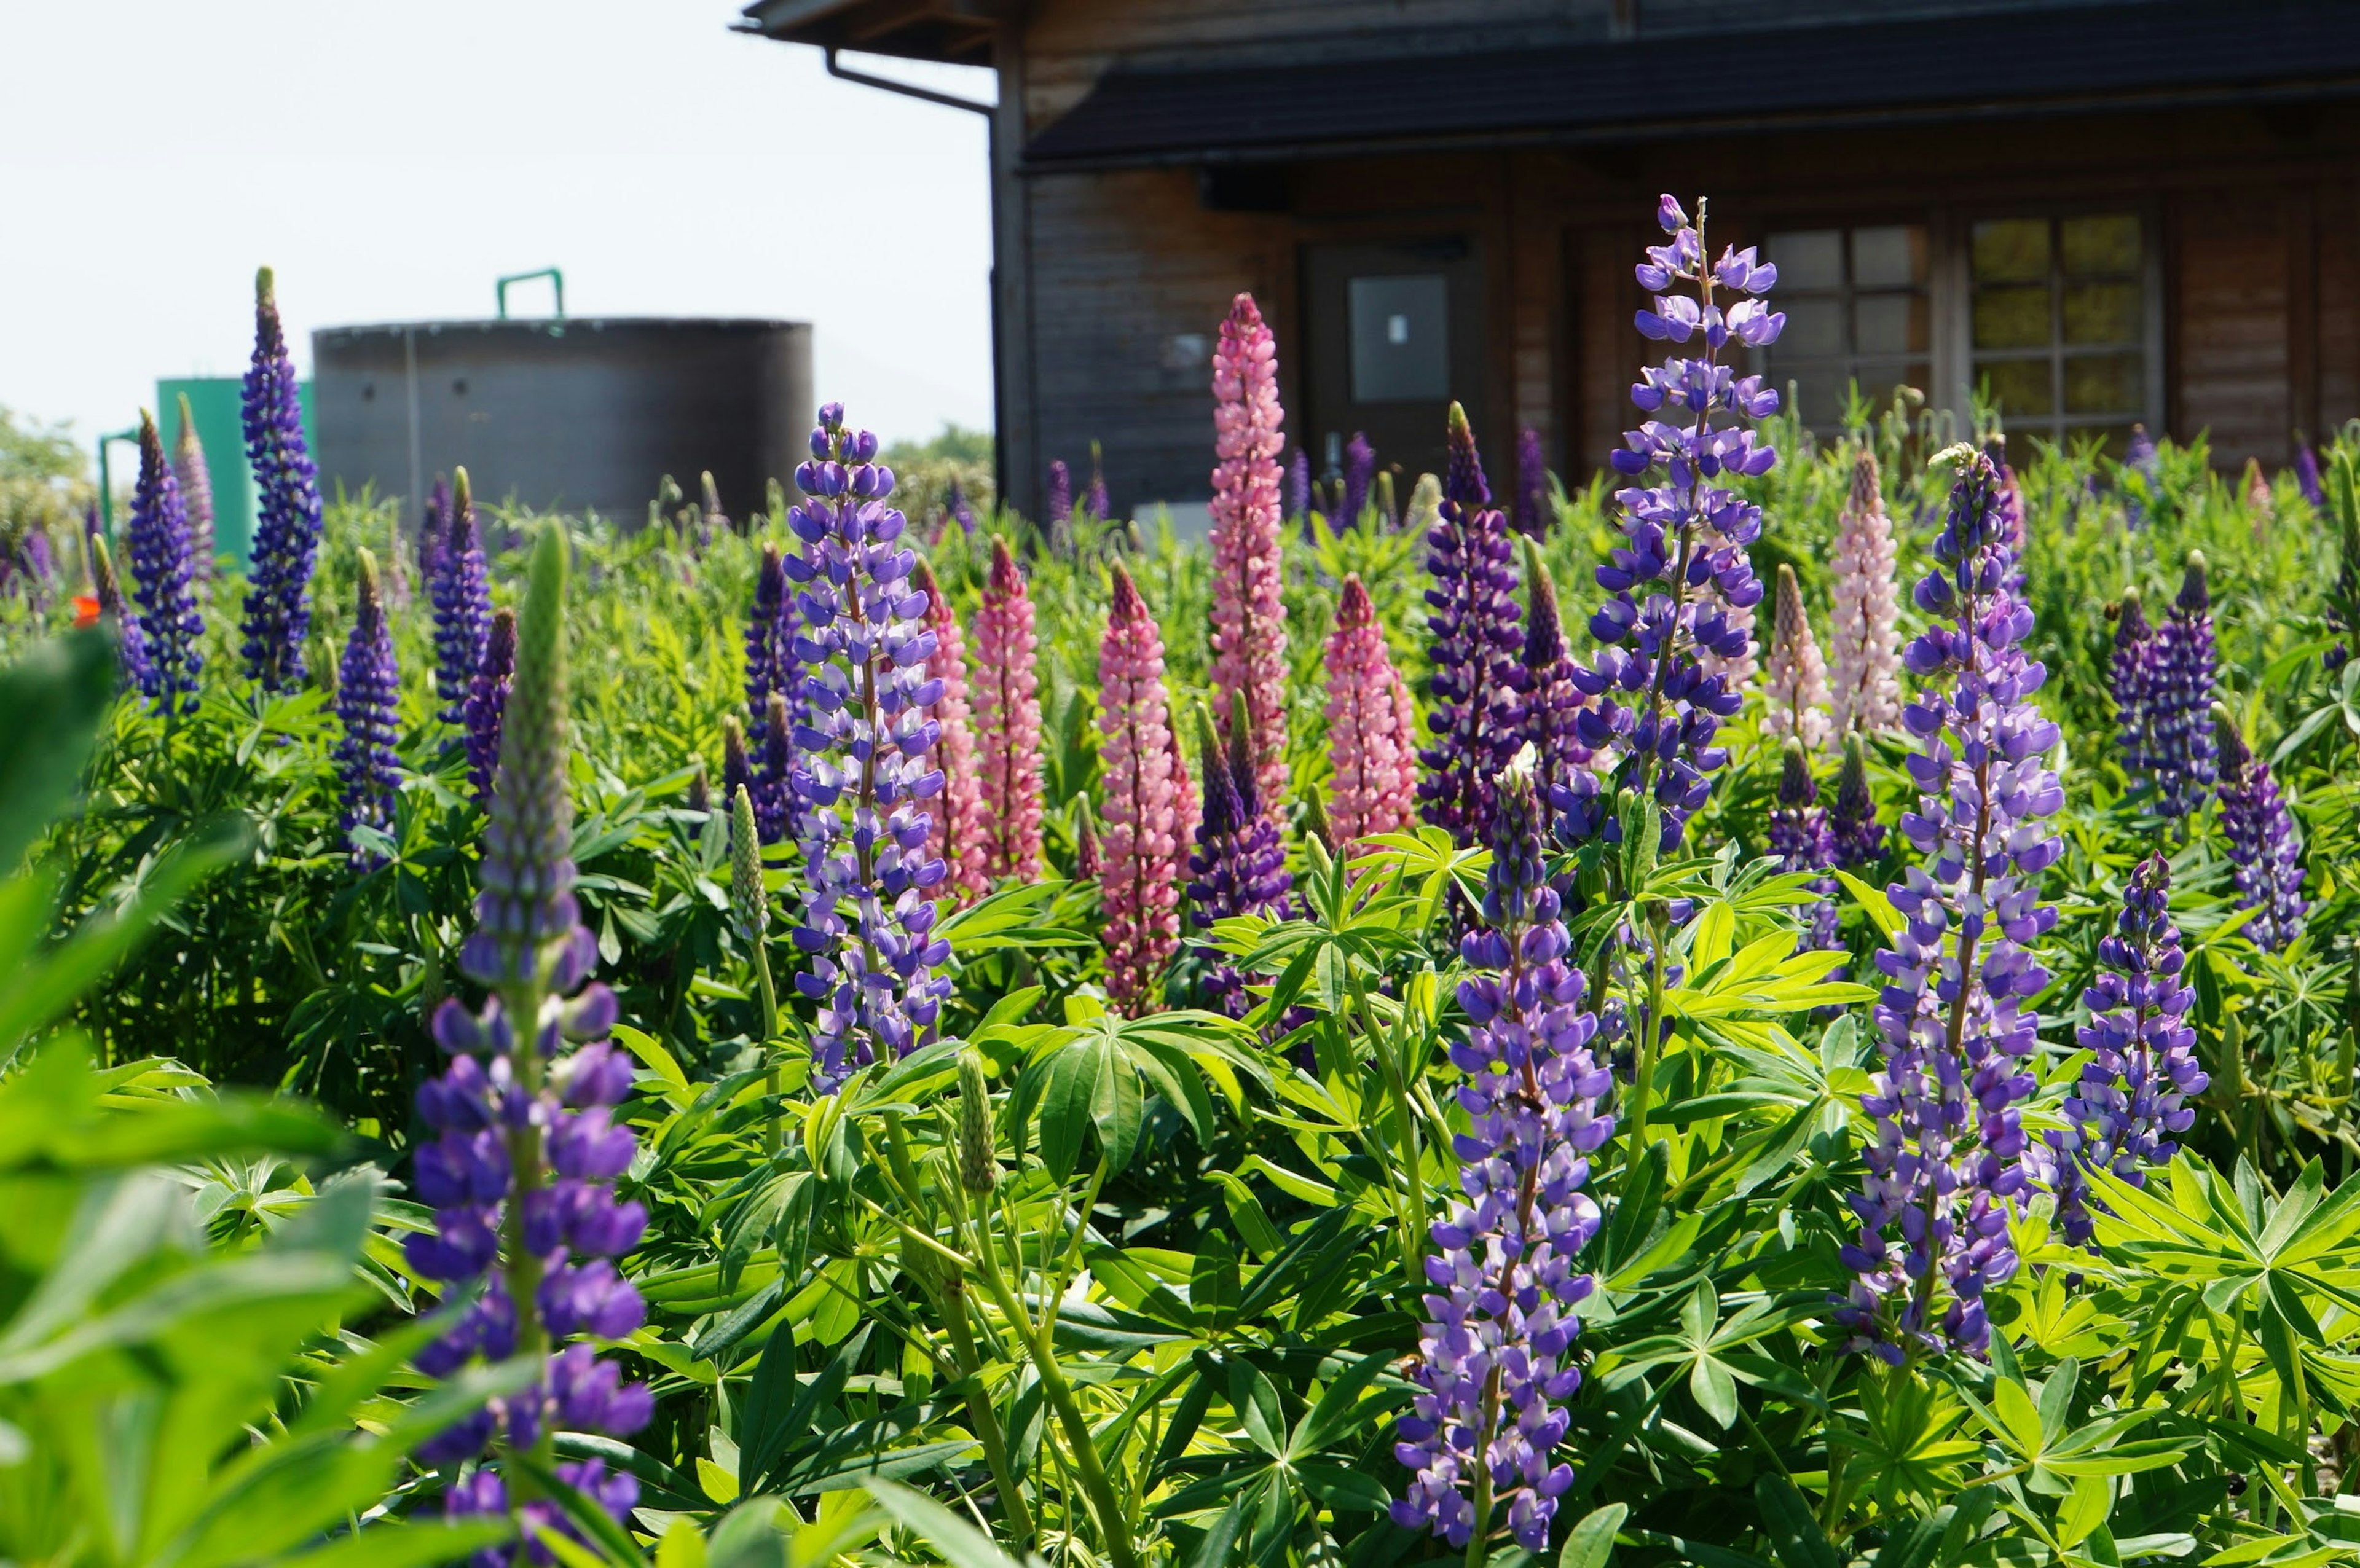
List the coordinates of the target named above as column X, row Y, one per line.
column 391, row 158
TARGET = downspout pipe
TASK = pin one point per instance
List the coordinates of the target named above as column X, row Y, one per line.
column 991, row 112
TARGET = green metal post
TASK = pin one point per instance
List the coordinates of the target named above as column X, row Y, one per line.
column 106, row 476
column 556, row 276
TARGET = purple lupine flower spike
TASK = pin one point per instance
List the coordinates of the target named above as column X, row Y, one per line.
column 1494, row 1364
column 163, row 580
column 2131, row 1103
column 130, row 647
column 2133, row 675
column 1861, row 840
column 462, row 592
column 772, row 789
column 961, row 509
column 1472, row 643
column 1802, row 840
column 278, row 616
column 862, row 780
column 1239, row 866
column 524, row 1123
column 2306, row 472
column 433, row 532
column 1533, row 513
column 1298, row 486
column 368, row 695
column 1683, row 587
column 772, row 670
column 1549, row 697
column 2179, row 700
column 487, row 701
column 1095, row 499
column 1956, row 1030
column 2264, row 855
column 1359, row 475
column 1058, row 508
column 737, row 766
column 196, row 492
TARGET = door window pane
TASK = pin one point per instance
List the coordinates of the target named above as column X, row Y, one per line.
column 1856, row 314
column 2102, row 312
column 2059, row 322
column 2011, row 318
column 1401, row 338
column 2014, row 250
column 2103, row 384
column 2092, row 246
column 2020, row 387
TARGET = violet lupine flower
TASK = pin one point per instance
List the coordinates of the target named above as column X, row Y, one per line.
column 433, row 531
column 1549, row 695
column 368, row 695
column 278, row 616
column 1658, row 705
column 1371, row 751
column 196, row 491
column 737, row 765
column 462, row 594
column 1058, row 509
column 1248, row 572
column 2140, row 459
column 1956, row 1028
column 2010, row 523
column 487, row 701
column 1533, row 513
column 772, row 670
column 1142, row 847
column 130, row 647
column 521, row 1121
column 1795, row 706
column 961, row 509
column 1492, row 1362
column 1473, row 638
column 2130, row 1104
column 2133, row 675
column 1298, row 488
column 1802, row 839
column 1095, row 499
column 1865, row 688
column 2179, row 707
column 1007, row 707
column 862, row 779
column 772, row 787
column 1239, row 866
column 2264, row 855
column 1859, row 839
column 163, row 580
column 1359, row 475
column 955, row 834
column 2306, row 474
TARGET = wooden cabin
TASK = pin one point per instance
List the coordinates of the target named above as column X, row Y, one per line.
column 2139, row 210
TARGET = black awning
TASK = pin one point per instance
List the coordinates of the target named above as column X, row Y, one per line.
column 2011, row 62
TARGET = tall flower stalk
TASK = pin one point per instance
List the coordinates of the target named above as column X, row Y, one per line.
column 106, row 593
column 1861, row 839
column 1796, row 704
column 1954, row 1022
column 1249, row 572
column 1473, row 636
column 1802, row 839
column 1007, row 707
column 1360, row 475
column 1493, row 1364
column 2131, row 1102
column 1372, row 762
column 278, row 616
column 1143, row 844
column 1533, row 513
column 1865, row 686
column 460, row 587
column 521, row 1169
column 488, row 699
column 163, row 580
column 862, row 781
column 196, row 492
column 2265, row 855
column 774, row 681
column 956, row 833
column 2133, row 676
column 1550, row 699
column 369, row 693
column 2179, row 700
column 1239, row 866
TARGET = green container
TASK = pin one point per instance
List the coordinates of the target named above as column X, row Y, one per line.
column 215, row 408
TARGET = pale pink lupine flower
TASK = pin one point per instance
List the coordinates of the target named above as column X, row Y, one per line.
column 1249, row 618
column 954, row 831
column 1007, row 715
column 1141, row 851
column 1796, row 704
column 1371, row 753
column 1865, row 687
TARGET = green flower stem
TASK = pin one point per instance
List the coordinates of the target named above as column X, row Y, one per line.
column 770, row 1045
column 1406, row 1125
column 1643, row 1077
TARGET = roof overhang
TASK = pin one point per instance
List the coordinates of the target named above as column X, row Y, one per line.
column 957, row 32
column 2010, row 64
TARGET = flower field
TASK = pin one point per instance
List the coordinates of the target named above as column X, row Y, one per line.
column 1792, row 1006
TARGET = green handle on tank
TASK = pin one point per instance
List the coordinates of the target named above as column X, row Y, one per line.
column 105, row 476
column 556, row 276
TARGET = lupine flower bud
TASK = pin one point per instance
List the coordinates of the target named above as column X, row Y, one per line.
column 2130, row 1103
column 1865, row 687
column 277, row 616
column 196, row 492
column 978, row 1167
column 487, row 701
column 2264, row 855
column 1142, row 851
column 717, row 521
column 1007, row 710
column 461, row 590
column 163, row 580
column 750, row 905
column 1802, row 840
column 1860, row 838
column 700, row 788
column 1248, row 573
column 1796, row 704
column 1360, row 474
column 369, row 689
column 1473, row 638
column 1493, row 1359
column 2179, row 700
column 1371, row 755
column 1955, row 1026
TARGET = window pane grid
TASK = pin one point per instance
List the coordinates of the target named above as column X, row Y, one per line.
column 1857, row 311
column 2057, row 321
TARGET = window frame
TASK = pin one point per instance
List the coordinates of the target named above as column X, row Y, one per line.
column 1934, row 355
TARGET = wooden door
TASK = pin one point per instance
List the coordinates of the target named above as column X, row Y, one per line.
column 1396, row 332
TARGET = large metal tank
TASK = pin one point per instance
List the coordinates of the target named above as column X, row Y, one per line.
column 578, row 414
